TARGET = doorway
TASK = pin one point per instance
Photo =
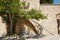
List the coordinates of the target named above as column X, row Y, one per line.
column 58, row 25
column 58, row 22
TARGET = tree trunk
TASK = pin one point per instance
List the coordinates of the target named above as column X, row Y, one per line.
column 10, row 24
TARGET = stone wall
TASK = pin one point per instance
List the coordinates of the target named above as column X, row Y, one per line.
column 51, row 10
column 3, row 30
column 33, row 3
column 50, row 23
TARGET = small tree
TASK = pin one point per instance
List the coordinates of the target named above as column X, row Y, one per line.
column 11, row 10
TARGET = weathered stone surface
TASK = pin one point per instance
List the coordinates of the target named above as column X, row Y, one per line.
column 50, row 23
column 33, row 3
column 3, row 30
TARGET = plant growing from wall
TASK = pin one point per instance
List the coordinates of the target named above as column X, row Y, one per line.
column 11, row 10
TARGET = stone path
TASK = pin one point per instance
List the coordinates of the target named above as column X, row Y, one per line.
column 50, row 37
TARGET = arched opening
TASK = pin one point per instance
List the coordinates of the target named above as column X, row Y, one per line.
column 20, row 26
column 58, row 22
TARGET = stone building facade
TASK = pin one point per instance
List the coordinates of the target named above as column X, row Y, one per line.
column 49, row 24
column 51, row 10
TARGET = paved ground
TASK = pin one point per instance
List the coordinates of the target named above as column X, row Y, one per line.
column 50, row 37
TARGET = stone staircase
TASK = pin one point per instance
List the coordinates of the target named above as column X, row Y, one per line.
column 37, row 25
